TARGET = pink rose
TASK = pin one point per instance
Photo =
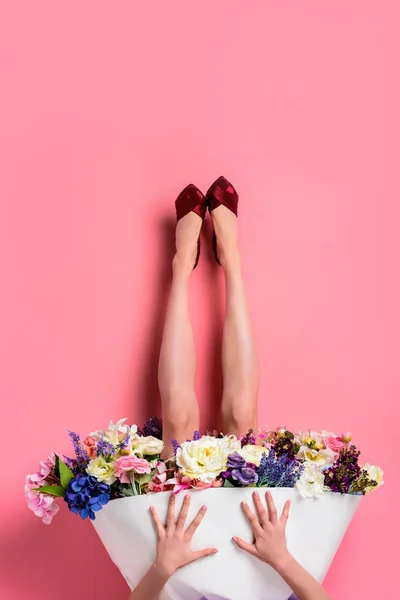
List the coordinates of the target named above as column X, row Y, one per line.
column 130, row 463
column 89, row 445
column 334, row 443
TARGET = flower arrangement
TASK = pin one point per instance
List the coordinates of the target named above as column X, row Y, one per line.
column 124, row 460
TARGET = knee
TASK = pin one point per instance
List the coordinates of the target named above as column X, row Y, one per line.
column 239, row 416
column 180, row 410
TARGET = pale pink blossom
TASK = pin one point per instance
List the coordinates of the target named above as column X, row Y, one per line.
column 130, row 463
column 43, row 505
column 347, row 437
column 46, row 469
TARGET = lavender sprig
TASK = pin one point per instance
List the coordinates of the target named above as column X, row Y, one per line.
column 82, row 456
column 175, row 446
column 278, row 471
column 105, row 448
column 125, row 442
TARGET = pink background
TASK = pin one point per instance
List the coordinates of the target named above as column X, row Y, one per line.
column 107, row 111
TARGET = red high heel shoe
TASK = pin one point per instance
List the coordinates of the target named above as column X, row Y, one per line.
column 191, row 199
column 221, row 192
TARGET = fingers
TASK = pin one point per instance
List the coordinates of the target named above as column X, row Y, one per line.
column 250, row 548
column 190, row 531
column 260, row 510
column 180, row 524
column 251, row 517
column 203, row 553
column 273, row 516
column 285, row 512
column 156, row 520
column 171, row 514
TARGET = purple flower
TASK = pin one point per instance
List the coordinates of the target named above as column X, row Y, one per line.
column 245, row 476
column 105, row 448
column 249, row 438
column 175, row 446
column 344, row 472
column 278, row 471
column 235, row 461
column 153, row 426
column 82, row 457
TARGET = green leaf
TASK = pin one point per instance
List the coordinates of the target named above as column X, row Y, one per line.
column 145, row 478
column 52, row 490
column 65, row 473
column 228, row 484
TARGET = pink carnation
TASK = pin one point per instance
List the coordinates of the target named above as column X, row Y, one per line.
column 43, row 505
column 130, row 463
column 334, row 443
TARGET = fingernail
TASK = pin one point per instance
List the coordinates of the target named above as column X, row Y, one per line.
column 204, row 507
column 235, row 539
column 187, row 497
column 151, row 508
column 215, row 551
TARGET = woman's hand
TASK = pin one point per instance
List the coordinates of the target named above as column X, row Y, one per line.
column 173, row 545
column 269, row 532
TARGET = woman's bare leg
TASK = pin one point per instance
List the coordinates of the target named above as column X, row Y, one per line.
column 177, row 364
column 239, row 354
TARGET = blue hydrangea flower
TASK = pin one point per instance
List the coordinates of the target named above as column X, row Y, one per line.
column 85, row 496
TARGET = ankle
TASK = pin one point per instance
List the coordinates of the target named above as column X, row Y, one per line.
column 230, row 258
column 182, row 264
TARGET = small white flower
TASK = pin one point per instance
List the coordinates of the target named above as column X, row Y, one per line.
column 311, row 439
column 320, row 458
column 253, row 454
column 374, row 473
column 147, row 446
column 311, row 482
column 115, row 432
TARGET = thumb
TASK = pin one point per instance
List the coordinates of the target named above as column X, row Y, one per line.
column 203, row 553
column 250, row 548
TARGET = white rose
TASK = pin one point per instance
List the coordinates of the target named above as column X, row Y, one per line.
column 311, row 482
column 102, row 470
column 207, row 457
column 115, row 432
column 253, row 454
column 320, row 458
column 374, row 473
column 147, row 446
